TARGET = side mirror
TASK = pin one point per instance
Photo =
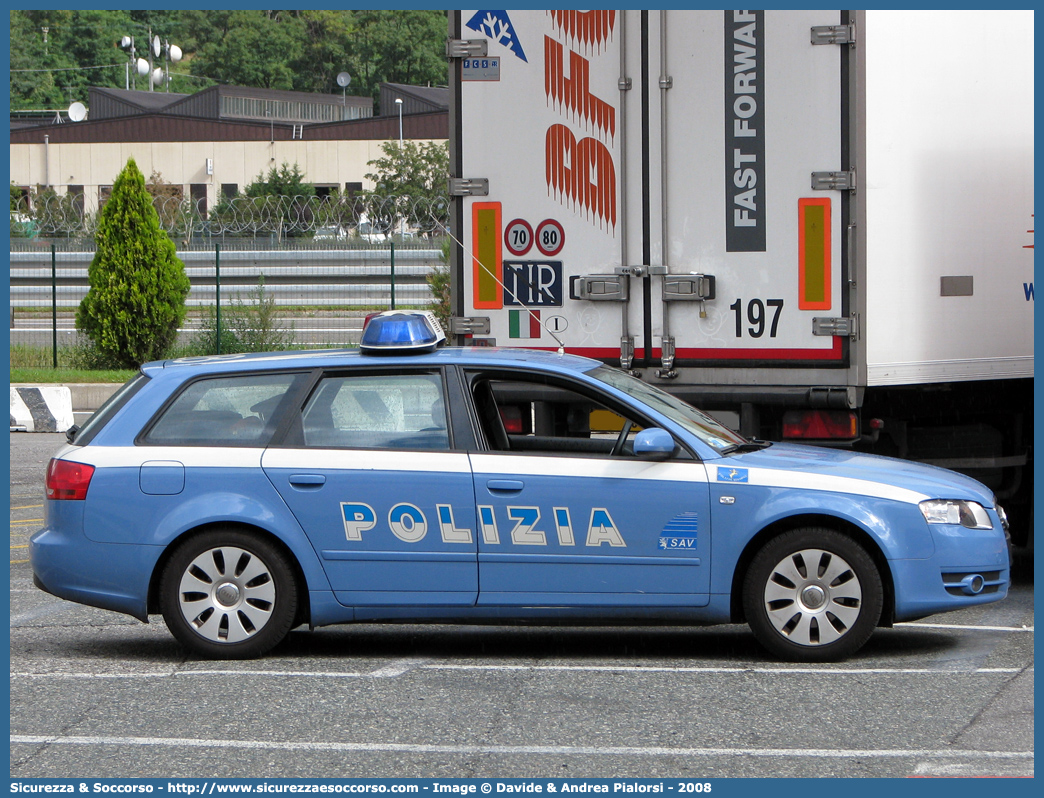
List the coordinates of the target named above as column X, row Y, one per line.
column 654, row 442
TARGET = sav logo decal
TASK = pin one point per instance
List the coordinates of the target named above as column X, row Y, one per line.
column 680, row 532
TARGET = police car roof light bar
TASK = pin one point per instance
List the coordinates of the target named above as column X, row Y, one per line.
column 401, row 331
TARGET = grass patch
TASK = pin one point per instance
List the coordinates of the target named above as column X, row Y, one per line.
column 45, row 376
column 35, row 364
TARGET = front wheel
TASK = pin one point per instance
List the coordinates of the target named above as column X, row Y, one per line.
column 228, row 594
column 812, row 595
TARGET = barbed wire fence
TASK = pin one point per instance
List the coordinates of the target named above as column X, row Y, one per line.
column 308, row 269
column 53, row 215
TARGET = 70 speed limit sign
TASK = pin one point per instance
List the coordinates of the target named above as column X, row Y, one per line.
column 518, row 237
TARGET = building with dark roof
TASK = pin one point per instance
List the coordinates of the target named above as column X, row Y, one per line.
column 231, row 102
column 218, row 140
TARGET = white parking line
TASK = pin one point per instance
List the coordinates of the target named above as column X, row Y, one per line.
column 395, row 669
column 753, row 669
column 965, row 627
column 528, row 750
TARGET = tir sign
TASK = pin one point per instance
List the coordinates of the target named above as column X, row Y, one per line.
column 533, row 284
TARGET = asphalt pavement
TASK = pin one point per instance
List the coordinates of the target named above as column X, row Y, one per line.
column 95, row 694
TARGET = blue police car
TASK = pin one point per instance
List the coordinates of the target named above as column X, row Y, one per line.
column 241, row 496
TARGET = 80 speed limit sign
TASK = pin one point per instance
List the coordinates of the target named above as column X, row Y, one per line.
column 550, row 237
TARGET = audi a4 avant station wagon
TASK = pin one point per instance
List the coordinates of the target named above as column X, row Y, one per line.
column 242, row 496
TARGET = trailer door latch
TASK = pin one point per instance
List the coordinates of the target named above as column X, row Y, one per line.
column 600, row 287
column 688, row 287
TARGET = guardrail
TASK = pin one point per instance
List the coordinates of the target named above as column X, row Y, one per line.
column 300, row 277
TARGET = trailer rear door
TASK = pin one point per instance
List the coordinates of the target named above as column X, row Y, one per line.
column 652, row 198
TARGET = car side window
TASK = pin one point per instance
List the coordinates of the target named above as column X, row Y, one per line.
column 550, row 418
column 377, row 411
column 223, row 411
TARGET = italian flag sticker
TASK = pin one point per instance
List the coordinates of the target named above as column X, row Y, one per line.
column 524, row 324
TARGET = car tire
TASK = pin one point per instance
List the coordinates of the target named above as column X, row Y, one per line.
column 812, row 595
column 228, row 594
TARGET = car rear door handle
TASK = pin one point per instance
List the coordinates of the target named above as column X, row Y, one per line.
column 307, row 481
column 505, row 485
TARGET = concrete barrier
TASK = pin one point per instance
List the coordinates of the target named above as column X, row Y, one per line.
column 41, row 409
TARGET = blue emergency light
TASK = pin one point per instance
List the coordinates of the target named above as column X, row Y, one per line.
column 401, row 331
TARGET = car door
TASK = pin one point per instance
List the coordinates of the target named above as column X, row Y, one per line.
column 568, row 515
column 370, row 472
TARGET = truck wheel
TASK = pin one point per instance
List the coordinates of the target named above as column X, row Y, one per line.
column 812, row 595
column 228, row 594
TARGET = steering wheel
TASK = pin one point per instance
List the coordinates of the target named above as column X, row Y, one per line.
column 622, row 439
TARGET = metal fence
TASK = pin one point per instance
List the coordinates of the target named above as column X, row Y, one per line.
column 321, row 278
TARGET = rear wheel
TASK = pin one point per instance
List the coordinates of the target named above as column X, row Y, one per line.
column 228, row 594
column 812, row 595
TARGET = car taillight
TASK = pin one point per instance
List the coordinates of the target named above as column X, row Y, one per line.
column 820, row 425
column 68, row 480
column 512, row 418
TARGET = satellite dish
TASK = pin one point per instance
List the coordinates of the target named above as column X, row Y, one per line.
column 143, row 67
column 175, row 53
column 126, row 42
column 77, row 112
column 156, row 47
column 343, row 79
column 157, row 76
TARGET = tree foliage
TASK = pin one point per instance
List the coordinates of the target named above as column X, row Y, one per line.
column 302, row 50
column 286, row 181
column 416, row 175
column 138, row 285
column 280, row 199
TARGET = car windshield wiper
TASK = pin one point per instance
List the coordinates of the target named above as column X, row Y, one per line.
column 750, row 446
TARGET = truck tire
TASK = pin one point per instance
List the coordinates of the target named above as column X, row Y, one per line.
column 812, row 595
column 228, row 594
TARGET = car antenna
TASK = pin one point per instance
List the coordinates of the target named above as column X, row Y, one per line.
column 440, row 225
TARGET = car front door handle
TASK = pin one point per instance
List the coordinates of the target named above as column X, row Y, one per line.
column 502, row 486
column 307, row 481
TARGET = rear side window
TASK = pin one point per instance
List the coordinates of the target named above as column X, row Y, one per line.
column 386, row 411
column 223, row 411
column 112, row 405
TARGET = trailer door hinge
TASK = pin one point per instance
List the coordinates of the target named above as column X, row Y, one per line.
column 834, row 181
column 845, row 326
column 466, row 48
column 469, row 186
column 833, row 34
column 469, row 325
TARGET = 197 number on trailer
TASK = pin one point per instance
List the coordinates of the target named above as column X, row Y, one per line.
column 757, row 316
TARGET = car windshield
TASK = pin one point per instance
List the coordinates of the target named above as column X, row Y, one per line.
column 714, row 434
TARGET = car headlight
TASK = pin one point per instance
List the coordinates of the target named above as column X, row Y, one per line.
column 951, row 511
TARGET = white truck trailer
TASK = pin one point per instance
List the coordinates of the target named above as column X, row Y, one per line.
column 817, row 225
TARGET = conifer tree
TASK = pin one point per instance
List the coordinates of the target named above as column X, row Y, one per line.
column 138, row 285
